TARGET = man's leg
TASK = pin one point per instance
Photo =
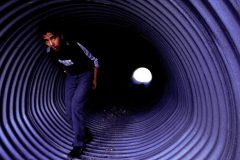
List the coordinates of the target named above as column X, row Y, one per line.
column 70, row 87
column 79, row 100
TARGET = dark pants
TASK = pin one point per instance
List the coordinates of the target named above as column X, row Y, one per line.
column 77, row 88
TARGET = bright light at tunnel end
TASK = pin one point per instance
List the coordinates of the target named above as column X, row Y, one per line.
column 142, row 75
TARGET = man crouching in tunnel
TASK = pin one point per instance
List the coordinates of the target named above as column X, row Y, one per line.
column 81, row 69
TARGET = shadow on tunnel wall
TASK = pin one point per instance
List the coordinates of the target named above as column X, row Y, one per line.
column 190, row 110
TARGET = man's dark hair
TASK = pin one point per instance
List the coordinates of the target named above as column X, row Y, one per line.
column 50, row 25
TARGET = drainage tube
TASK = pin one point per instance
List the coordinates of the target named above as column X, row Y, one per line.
column 195, row 117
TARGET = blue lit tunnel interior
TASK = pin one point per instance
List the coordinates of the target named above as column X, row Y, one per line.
column 190, row 111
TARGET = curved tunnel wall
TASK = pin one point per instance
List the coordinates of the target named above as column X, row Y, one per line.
column 197, row 116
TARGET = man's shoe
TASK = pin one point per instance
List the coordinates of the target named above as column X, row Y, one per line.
column 75, row 152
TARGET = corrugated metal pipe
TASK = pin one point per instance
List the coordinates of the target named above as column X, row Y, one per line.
column 191, row 111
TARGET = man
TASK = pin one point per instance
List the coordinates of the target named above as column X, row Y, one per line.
column 81, row 69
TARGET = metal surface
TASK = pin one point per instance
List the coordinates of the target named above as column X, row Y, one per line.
column 196, row 118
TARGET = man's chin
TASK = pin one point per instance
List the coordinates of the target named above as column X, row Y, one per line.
column 55, row 49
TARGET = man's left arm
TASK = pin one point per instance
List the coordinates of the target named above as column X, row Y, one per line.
column 96, row 64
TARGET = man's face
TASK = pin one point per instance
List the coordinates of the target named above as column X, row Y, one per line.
column 52, row 41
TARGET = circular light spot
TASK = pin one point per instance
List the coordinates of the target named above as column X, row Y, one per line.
column 142, row 76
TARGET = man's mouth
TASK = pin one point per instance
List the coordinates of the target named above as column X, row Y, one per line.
column 54, row 48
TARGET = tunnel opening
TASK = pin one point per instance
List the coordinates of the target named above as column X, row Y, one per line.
column 120, row 52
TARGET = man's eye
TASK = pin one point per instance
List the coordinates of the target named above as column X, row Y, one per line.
column 53, row 37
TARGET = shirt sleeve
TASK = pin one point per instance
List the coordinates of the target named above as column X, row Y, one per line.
column 89, row 55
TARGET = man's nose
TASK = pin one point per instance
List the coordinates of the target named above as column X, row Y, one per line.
column 51, row 43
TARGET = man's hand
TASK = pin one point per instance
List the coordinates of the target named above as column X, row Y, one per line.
column 94, row 84
column 95, row 75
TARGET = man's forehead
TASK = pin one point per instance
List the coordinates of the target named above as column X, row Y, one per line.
column 48, row 35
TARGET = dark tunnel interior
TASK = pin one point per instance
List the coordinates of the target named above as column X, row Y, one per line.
column 190, row 110
column 120, row 52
